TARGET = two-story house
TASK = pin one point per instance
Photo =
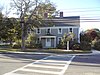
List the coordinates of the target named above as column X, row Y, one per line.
column 50, row 35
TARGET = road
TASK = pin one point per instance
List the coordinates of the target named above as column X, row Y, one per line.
column 12, row 61
column 48, row 64
column 84, row 65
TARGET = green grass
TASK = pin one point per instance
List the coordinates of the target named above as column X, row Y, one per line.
column 58, row 51
column 9, row 50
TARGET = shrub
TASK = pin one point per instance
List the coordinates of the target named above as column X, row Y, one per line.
column 38, row 45
column 85, row 45
column 76, row 46
column 29, row 46
column 97, row 45
column 60, row 46
column 17, row 44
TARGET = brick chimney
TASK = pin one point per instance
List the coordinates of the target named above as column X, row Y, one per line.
column 61, row 14
column 45, row 15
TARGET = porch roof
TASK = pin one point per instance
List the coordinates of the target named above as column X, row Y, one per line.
column 48, row 36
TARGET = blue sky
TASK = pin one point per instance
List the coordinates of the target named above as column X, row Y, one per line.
column 70, row 4
column 86, row 9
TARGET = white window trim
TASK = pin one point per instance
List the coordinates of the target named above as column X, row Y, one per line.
column 69, row 30
column 47, row 30
column 64, row 27
column 59, row 32
column 37, row 31
column 58, row 39
column 72, row 32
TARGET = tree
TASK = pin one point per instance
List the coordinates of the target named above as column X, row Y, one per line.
column 26, row 10
column 7, row 31
column 23, row 8
column 90, row 35
column 46, row 7
column 66, row 38
column 1, row 18
column 84, row 37
column 31, row 40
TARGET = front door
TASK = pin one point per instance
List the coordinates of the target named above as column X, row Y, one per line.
column 48, row 42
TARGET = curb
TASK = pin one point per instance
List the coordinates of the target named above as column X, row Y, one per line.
column 24, row 53
column 94, row 52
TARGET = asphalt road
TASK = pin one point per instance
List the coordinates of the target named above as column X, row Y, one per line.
column 10, row 62
column 84, row 65
column 44, row 64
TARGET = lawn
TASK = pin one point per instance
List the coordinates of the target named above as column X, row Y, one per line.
column 57, row 51
column 8, row 49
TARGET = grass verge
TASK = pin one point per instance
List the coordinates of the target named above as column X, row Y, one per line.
column 57, row 51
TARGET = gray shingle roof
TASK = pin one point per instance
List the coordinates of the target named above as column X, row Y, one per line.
column 65, row 21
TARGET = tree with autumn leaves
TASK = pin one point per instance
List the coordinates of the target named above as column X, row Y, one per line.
column 91, row 36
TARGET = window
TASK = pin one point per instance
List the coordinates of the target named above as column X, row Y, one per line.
column 70, row 30
column 38, row 31
column 59, row 31
column 38, row 40
column 48, row 31
column 59, row 40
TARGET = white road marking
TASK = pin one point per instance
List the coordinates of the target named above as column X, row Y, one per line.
column 45, row 66
column 40, row 71
column 50, row 63
column 46, row 63
column 66, row 66
column 14, row 74
column 24, row 66
column 53, row 61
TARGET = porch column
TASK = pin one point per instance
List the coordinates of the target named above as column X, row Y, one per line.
column 55, row 42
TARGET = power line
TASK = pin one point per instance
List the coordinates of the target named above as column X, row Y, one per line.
column 89, row 18
column 81, row 11
column 81, row 8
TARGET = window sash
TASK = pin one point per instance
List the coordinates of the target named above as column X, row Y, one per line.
column 59, row 31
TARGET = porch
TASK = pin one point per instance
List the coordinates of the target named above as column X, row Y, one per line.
column 48, row 41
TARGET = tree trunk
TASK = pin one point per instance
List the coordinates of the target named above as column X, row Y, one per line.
column 23, row 38
column 10, row 42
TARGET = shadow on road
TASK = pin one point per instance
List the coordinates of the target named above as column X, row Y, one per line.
column 24, row 57
column 87, row 60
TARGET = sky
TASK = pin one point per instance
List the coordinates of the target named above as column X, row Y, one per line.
column 88, row 10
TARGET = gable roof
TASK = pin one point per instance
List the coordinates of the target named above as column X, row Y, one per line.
column 65, row 21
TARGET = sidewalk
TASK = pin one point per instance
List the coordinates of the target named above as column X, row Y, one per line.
column 95, row 52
